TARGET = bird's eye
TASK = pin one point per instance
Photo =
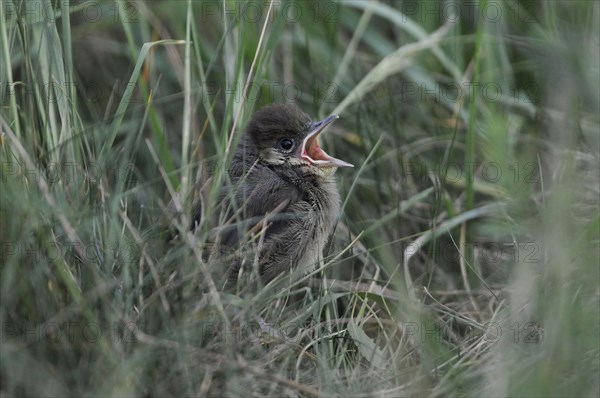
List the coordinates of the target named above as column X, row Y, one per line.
column 286, row 144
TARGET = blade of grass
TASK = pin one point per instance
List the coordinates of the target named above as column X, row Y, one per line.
column 391, row 65
column 415, row 246
column 7, row 76
column 248, row 80
column 187, row 111
column 412, row 27
column 124, row 103
column 471, row 129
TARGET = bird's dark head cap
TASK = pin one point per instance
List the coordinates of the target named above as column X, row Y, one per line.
column 276, row 121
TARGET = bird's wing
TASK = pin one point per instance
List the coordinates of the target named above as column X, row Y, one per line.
column 258, row 195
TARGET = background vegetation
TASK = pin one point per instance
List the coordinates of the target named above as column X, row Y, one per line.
column 466, row 260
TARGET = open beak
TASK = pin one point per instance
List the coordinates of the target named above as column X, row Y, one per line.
column 312, row 152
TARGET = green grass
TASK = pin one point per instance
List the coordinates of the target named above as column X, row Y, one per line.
column 466, row 258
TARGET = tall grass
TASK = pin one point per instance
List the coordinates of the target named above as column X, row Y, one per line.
column 466, row 258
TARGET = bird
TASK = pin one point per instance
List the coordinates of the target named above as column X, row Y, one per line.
column 283, row 186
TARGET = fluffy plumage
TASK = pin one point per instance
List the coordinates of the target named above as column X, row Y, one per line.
column 279, row 167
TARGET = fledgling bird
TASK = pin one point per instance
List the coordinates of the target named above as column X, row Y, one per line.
column 280, row 171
